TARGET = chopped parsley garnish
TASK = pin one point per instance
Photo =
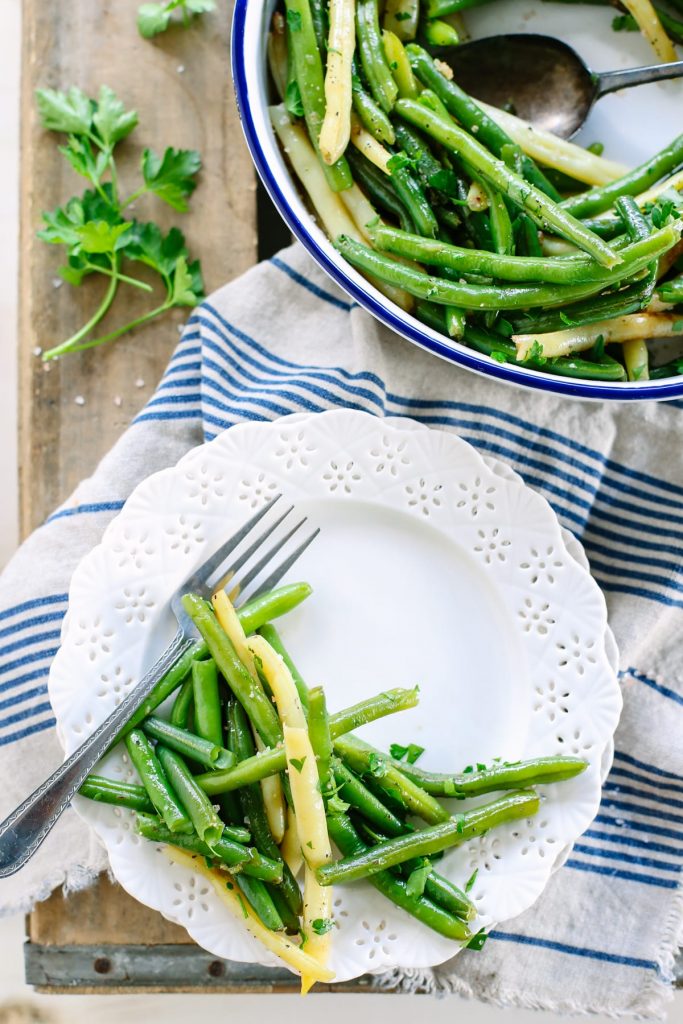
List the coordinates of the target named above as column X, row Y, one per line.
column 322, row 925
column 471, row 880
column 411, row 753
column 459, row 823
column 477, row 941
column 335, row 805
column 536, row 353
column 298, row 763
column 417, row 879
column 294, row 21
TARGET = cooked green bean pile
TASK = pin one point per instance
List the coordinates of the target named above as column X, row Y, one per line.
column 503, row 238
column 249, row 776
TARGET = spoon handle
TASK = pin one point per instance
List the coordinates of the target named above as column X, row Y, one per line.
column 610, row 81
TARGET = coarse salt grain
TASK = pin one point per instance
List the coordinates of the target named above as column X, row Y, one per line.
column 118, row 401
column 37, row 351
column 139, row 383
column 79, row 400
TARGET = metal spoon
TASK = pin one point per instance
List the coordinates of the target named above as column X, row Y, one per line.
column 541, row 79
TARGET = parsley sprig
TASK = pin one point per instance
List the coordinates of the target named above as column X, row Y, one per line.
column 96, row 231
column 155, row 18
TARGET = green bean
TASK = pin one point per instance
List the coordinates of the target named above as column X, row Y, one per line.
column 397, row 58
column 194, row 800
column 253, row 809
column 354, row 792
column 207, row 702
column 501, row 225
column 370, row 113
column 320, row 23
column 234, row 855
column 311, row 82
column 182, row 705
column 565, row 270
column 364, row 760
column 547, row 214
column 187, row 743
column 638, row 180
column 287, row 915
column 606, row 227
column 528, row 242
column 269, row 633
column 501, row 775
column 121, row 794
column 439, row 8
column 456, row 321
column 375, row 65
column 261, row 901
column 467, row 296
column 271, row 762
column 378, row 187
column 319, row 735
column 637, row 229
column 431, row 840
column 155, row 782
column 413, row 198
column 167, row 684
column 566, row 366
column 672, row 369
column 372, row 708
column 435, row 917
column 636, row 226
column 439, row 889
column 440, row 33
column 471, row 116
column 604, row 307
column 272, row 605
column 512, row 156
column 431, row 314
column 671, row 291
column 249, row 692
column 431, row 172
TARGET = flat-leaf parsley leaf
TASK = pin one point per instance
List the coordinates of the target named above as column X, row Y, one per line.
column 93, row 228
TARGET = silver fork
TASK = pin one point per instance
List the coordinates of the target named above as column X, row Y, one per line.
column 26, row 827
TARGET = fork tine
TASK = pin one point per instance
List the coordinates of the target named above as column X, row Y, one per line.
column 261, row 564
column 212, row 564
column 277, row 573
column 239, row 562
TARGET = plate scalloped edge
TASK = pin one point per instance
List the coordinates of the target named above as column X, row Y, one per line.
column 176, row 516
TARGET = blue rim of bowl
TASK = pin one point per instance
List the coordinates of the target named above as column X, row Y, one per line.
column 463, row 357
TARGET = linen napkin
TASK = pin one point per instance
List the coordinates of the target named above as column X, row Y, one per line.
column 282, row 339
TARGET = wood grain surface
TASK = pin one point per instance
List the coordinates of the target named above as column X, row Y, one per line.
column 180, row 85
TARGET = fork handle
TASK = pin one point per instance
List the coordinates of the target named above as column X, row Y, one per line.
column 26, row 827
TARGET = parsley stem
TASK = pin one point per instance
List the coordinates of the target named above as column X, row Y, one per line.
column 134, row 195
column 71, row 344
column 114, row 176
column 122, row 277
column 104, row 338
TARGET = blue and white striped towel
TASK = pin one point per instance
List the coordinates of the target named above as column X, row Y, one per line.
column 283, row 339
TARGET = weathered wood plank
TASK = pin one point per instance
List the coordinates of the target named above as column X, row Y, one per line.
column 180, row 85
column 102, row 914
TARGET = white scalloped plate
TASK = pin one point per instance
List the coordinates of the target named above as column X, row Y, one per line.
column 432, row 567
